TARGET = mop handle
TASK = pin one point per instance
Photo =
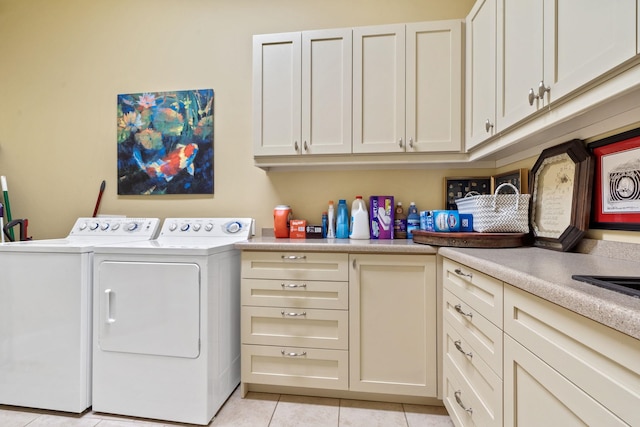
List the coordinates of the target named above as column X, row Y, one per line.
column 5, row 192
column 1, row 224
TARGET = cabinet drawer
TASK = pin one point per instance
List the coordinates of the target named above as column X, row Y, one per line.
column 295, row 293
column 295, row 265
column 297, row 367
column 295, row 327
column 482, row 292
column 483, row 336
column 465, row 406
column 602, row 362
column 482, row 378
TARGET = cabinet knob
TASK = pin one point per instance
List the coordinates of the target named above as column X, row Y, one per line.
column 292, row 354
column 293, row 257
column 293, row 314
column 532, row 96
column 293, row 285
column 400, row 142
column 459, row 400
column 458, row 345
column 295, row 145
column 458, row 308
column 459, row 272
column 306, row 147
column 542, row 89
column 411, row 143
column 488, row 126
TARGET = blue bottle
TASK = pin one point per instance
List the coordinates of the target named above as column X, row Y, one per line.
column 413, row 220
column 325, row 225
column 342, row 223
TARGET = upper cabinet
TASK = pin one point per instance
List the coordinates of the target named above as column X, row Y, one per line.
column 302, row 93
column 382, row 89
column 407, row 88
column 548, row 49
column 480, row 72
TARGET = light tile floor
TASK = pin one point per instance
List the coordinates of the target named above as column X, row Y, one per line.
column 256, row 410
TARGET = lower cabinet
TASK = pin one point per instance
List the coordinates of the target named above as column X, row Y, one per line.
column 537, row 364
column 356, row 322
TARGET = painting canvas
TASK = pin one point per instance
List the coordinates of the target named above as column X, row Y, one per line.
column 165, row 142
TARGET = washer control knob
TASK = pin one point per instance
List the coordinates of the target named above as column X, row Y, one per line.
column 185, row 227
column 132, row 226
column 104, row 226
column 94, row 226
column 233, row 227
column 196, row 227
column 173, row 226
column 208, row 227
column 83, row 226
column 115, row 226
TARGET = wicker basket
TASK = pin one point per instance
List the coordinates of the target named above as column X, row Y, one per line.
column 497, row 213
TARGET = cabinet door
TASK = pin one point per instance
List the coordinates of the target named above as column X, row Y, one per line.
column 378, row 89
column 535, row 394
column 480, row 73
column 276, row 94
column 392, row 324
column 584, row 39
column 326, row 91
column 434, row 86
column 520, row 59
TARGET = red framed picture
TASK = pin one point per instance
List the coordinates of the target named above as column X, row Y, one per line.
column 616, row 193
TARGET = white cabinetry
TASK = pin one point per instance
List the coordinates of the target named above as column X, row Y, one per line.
column 480, row 73
column 407, row 88
column 546, row 50
column 302, row 93
column 392, row 315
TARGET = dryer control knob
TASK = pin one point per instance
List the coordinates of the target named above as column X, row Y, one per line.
column 233, row 227
column 115, row 226
column 208, row 227
column 196, row 227
column 83, row 226
column 132, row 226
column 94, row 226
column 173, row 226
column 184, row 227
column 104, row 226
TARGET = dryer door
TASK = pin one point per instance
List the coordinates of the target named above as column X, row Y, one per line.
column 148, row 308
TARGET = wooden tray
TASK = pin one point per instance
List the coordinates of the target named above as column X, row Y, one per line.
column 472, row 240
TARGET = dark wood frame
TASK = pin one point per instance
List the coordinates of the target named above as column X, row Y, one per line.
column 611, row 145
column 581, row 195
column 449, row 201
column 518, row 177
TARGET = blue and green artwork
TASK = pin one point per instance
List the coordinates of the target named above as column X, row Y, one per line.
column 165, row 142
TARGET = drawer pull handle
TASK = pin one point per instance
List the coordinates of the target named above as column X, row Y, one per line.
column 293, row 314
column 459, row 347
column 293, row 285
column 458, row 308
column 459, row 272
column 286, row 354
column 457, row 395
column 293, row 257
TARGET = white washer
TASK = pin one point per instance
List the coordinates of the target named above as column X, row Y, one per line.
column 167, row 321
column 45, row 313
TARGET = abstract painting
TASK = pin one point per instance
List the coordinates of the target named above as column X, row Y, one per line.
column 165, row 142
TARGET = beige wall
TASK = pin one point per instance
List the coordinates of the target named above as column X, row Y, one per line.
column 63, row 62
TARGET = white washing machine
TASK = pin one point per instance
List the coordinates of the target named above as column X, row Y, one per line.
column 45, row 313
column 167, row 321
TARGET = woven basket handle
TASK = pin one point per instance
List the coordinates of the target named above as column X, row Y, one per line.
column 504, row 185
column 471, row 194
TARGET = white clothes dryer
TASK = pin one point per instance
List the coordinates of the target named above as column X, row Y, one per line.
column 167, row 321
column 45, row 313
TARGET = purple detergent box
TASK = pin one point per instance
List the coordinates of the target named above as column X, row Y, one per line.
column 381, row 212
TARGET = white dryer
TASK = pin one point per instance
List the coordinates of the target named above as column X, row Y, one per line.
column 45, row 313
column 167, row 321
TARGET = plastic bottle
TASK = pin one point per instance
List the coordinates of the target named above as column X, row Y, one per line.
column 400, row 223
column 325, row 225
column 413, row 220
column 359, row 220
column 331, row 228
column 342, row 223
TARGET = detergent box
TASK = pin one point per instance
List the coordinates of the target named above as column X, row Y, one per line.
column 298, row 229
column 466, row 222
column 381, row 214
column 444, row 221
column 426, row 220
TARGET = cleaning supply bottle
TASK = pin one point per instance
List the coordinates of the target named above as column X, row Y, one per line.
column 331, row 226
column 400, row 223
column 325, row 224
column 413, row 220
column 342, row 223
column 359, row 220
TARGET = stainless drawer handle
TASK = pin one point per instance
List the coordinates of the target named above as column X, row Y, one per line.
column 459, row 272
column 293, row 285
column 459, row 347
column 457, row 395
column 458, row 308
column 293, row 257
column 293, row 314
column 287, row 354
